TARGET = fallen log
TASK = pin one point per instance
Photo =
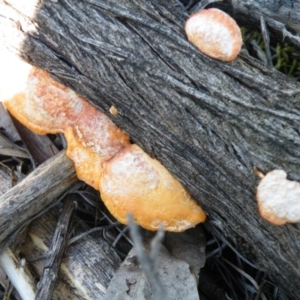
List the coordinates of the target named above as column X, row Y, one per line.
column 208, row 122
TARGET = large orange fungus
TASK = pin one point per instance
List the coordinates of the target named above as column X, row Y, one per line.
column 128, row 179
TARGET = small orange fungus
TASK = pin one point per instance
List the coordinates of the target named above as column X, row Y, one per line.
column 215, row 34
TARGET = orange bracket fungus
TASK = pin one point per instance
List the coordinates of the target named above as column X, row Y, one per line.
column 279, row 198
column 215, row 34
column 128, row 179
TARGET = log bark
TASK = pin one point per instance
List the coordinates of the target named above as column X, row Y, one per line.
column 208, row 122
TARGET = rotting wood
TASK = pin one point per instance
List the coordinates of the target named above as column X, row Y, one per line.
column 87, row 267
column 208, row 122
column 37, row 192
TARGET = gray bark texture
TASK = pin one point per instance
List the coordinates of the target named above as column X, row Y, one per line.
column 207, row 121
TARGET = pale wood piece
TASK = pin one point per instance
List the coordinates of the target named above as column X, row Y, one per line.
column 18, row 275
column 87, row 266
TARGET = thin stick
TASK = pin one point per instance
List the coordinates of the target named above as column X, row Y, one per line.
column 56, row 251
column 148, row 263
column 266, row 38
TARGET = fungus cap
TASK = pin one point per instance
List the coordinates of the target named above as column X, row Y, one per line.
column 148, row 191
column 279, row 198
column 214, row 33
column 45, row 106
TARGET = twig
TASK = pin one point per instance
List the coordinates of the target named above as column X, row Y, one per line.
column 148, row 263
column 95, row 229
column 56, row 251
column 266, row 38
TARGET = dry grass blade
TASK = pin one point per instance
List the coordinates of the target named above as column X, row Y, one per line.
column 8, row 148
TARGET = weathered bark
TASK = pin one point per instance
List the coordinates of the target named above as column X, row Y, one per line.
column 37, row 192
column 208, row 122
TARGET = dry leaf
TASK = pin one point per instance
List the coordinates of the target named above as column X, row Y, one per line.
column 8, row 148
